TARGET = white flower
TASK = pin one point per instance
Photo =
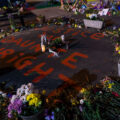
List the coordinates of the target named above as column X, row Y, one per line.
column 20, row 91
column 79, row 26
column 23, row 86
column 100, row 92
column 26, row 87
column 30, row 86
column 81, row 101
column 4, row 95
column 92, row 15
column 14, row 97
column 1, row 92
column 23, row 98
column 28, row 91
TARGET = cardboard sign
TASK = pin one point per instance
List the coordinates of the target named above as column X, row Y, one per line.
column 103, row 12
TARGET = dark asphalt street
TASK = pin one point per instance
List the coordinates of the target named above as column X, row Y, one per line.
column 89, row 58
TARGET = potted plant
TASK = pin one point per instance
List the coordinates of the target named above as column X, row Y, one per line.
column 26, row 104
column 93, row 21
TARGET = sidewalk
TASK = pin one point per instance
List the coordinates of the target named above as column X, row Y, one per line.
column 51, row 12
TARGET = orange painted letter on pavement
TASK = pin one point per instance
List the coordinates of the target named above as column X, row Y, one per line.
column 27, row 43
column 83, row 34
column 36, row 47
column 71, row 58
column 38, row 70
column 97, row 36
column 6, row 52
column 24, row 62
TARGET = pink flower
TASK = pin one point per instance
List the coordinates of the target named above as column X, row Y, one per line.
column 115, row 94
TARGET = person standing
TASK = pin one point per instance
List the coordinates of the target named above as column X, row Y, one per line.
column 21, row 16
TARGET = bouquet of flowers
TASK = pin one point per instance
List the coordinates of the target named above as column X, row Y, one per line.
column 91, row 16
column 112, row 86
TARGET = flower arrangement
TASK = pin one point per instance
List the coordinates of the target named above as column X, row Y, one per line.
column 88, row 104
column 91, row 16
column 112, row 86
column 25, row 102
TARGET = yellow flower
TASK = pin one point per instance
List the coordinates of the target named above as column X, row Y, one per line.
column 32, row 96
column 117, row 48
column 76, row 25
column 34, row 99
column 118, row 51
column 28, row 98
column 31, row 102
column 87, row 15
column 106, row 81
column 44, row 92
column 16, row 30
column 73, row 101
column 109, row 86
column 5, row 7
column 83, row 90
